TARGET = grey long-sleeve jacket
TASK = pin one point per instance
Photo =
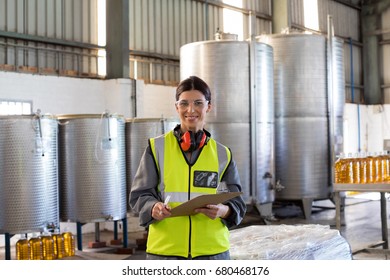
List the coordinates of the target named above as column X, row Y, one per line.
column 144, row 193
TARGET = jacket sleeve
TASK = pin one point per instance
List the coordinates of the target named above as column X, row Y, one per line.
column 237, row 204
column 143, row 191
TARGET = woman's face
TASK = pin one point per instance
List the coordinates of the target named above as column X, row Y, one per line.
column 192, row 107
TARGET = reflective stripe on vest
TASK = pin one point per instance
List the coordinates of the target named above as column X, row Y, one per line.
column 181, row 236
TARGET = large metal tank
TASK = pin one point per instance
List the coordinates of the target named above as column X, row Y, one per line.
column 301, row 115
column 226, row 66
column 28, row 173
column 92, row 167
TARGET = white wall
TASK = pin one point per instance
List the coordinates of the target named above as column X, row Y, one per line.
column 374, row 124
column 155, row 101
column 64, row 95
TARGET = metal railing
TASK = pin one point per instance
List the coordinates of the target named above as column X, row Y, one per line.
column 46, row 60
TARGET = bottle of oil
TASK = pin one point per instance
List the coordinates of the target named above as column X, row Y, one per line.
column 363, row 168
column 386, row 177
column 59, row 251
column 47, row 246
column 22, row 248
column 339, row 175
column 35, row 247
column 356, row 169
column 349, row 169
column 371, row 169
column 69, row 243
column 378, row 168
column 384, row 165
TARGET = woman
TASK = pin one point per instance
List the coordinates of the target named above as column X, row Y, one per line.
column 182, row 164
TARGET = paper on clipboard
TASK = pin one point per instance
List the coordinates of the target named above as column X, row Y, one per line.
column 187, row 208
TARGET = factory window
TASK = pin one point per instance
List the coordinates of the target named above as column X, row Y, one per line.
column 15, row 107
column 233, row 21
column 310, row 11
column 102, row 37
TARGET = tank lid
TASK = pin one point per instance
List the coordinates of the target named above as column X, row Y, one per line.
column 87, row 116
column 219, row 35
column 137, row 120
column 30, row 116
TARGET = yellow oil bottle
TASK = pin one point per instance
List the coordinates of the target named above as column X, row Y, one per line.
column 59, row 249
column 339, row 170
column 349, row 169
column 69, row 243
column 47, row 246
column 356, row 169
column 385, row 166
column 363, row 168
column 378, row 168
column 22, row 248
column 371, row 169
column 35, row 247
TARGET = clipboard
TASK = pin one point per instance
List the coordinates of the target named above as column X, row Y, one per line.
column 187, row 208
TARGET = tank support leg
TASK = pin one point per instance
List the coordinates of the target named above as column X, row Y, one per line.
column 7, row 246
column 115, row 230
column 307, row 207
column 124, row 221
column 265, row 211
column 79, row 236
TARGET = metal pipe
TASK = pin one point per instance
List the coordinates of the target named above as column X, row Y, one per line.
column 331, row 98
column 252, row 95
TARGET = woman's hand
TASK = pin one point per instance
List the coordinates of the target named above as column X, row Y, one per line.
column 161, row 211
column 214, row 211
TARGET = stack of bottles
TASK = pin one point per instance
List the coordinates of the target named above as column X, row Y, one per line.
column 47, row 246
column 362, row 168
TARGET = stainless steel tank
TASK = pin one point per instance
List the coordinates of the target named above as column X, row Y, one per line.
column 226, row 66
column 301, row 114
column 138, row 132
column 92, row 164
column 28, row 173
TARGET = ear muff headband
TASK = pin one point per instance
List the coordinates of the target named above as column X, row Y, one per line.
column 200, row 139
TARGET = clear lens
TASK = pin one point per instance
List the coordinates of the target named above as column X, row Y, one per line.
column 184, row 104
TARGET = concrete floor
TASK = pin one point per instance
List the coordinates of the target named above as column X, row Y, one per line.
column 361, row 227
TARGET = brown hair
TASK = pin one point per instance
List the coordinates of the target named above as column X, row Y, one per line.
column 194, row 83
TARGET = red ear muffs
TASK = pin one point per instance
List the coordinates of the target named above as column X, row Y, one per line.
column 190, row 142
column 200, row 139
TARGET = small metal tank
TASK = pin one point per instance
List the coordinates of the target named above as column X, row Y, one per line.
column 92, row 167
column 28, row 173
column 138, row 131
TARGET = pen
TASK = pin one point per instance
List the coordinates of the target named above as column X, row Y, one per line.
column 167, row 200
